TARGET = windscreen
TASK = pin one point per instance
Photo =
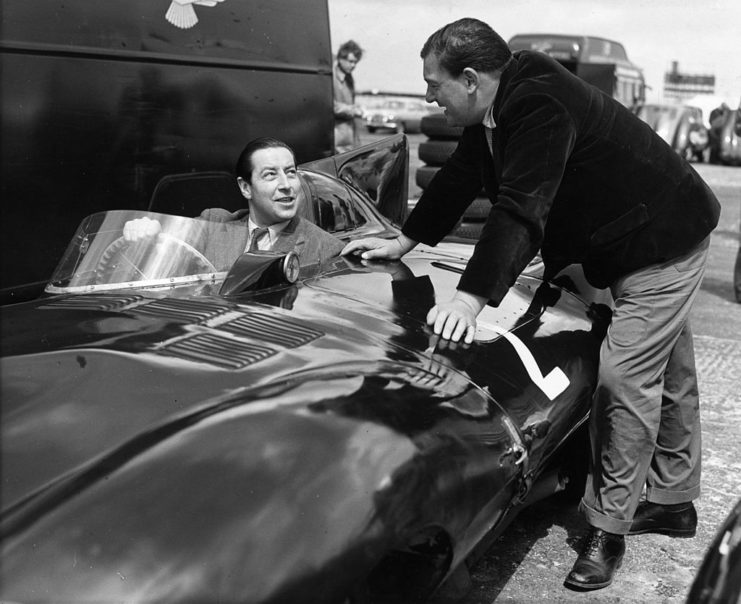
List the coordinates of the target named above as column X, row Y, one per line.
column 167, row 250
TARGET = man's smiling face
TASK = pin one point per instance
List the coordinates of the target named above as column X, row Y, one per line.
column 273, row 187
column 450, row 93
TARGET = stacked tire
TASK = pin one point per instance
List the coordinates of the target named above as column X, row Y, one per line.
column 442, row 140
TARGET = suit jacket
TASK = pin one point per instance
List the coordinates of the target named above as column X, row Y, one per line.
column 572, row 173
column 223, row 245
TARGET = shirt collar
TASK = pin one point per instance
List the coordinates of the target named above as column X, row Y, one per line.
column 488, row 120
column 273, row 230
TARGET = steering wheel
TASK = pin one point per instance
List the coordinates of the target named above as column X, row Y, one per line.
column 120, row 263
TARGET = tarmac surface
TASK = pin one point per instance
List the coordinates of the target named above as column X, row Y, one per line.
column 530, row 560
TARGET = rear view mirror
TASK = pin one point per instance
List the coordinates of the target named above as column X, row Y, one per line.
column 258, row 270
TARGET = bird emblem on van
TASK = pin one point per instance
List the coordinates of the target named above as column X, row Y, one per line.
column 182, row 14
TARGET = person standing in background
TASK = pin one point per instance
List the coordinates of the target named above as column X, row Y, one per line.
column 345, row 109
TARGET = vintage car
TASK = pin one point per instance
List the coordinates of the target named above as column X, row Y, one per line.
column 725, row 136
column 398, row 115
column 718, row 580
column 182, row 428
column 681, row 127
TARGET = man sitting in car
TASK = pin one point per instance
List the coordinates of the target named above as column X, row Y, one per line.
column 268, row 179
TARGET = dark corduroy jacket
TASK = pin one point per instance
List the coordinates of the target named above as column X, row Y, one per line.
column 574, row 174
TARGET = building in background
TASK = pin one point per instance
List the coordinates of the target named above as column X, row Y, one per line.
column 679, row 87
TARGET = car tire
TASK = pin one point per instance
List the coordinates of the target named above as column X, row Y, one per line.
column 436, row 152
column 468, row 230
column 435, row 126
column 424, row 175
column 371, row 129
column 479, row 210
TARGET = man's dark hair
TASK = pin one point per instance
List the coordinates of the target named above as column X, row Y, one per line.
column 467, row 43
column 244, row 163
column 348, row 48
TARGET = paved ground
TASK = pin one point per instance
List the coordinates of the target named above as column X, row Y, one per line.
column 530, row 560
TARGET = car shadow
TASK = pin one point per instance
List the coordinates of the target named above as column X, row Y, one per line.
column 492, row 573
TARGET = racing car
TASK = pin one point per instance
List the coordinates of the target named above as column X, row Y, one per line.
column 177, row 428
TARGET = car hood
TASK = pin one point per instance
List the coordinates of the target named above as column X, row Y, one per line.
column 260, row 404
column 271, row 443
column 85, row 374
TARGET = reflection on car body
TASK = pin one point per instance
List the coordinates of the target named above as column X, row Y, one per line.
column 165, row 440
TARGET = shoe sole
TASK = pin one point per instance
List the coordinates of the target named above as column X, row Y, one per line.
column 586, row 586
column 668, row 532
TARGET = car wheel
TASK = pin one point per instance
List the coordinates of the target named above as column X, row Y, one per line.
column 371, row 129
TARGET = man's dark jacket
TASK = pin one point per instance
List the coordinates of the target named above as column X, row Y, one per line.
column 574, row 174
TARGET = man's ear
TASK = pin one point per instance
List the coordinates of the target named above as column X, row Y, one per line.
column 244, row 187
column 471, row 78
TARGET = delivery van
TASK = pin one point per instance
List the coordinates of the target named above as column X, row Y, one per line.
column 599, row 61
column 101, row 99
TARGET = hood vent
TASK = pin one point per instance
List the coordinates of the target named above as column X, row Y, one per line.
column 91, row 302
column 182, row 311
column 218, row 350
column 274, row 330
column 235, row 339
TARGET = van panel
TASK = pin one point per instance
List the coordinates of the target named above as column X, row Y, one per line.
column 102, row 99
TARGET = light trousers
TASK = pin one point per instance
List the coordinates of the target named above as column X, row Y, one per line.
column 645, row 420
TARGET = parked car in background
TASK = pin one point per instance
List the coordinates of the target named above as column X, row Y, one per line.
column 179, row 427
column 100, row 100
column 398, row 115
column 681, row 126
column 725, row 136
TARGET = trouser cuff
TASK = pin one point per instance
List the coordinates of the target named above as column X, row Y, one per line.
column 606, row 523
column 663, row 497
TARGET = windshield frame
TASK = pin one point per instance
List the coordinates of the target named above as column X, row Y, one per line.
column 99, row 234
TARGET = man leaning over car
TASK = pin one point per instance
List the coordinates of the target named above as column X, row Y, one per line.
column 571, row 172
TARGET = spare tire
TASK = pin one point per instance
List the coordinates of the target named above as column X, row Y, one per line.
column 436, row 126
column 478, row 210
column 424, row 175
column 467, row 230
column 436, row 153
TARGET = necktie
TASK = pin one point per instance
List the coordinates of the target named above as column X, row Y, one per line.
column 257, row 235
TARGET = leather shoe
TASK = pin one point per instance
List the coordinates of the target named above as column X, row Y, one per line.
column 676, row 520
column 600, row 558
